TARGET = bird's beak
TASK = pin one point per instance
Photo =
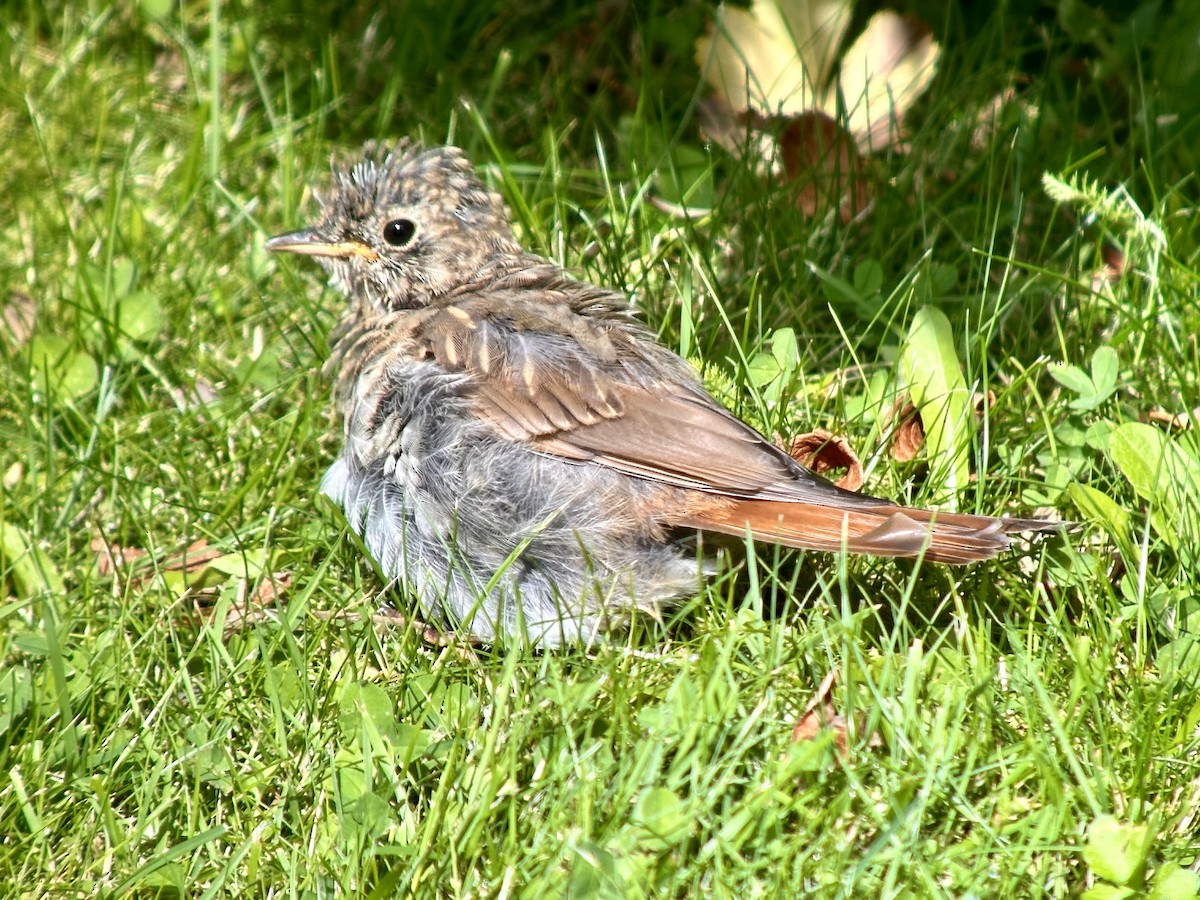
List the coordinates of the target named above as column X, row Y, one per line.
column 310, row 243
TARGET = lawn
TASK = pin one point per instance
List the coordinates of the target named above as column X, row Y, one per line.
column 202, row 691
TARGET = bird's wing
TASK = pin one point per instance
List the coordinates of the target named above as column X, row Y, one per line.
column 573, row 389
column 605, row 395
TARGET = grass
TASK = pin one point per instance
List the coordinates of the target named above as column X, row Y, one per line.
column 1026, row 727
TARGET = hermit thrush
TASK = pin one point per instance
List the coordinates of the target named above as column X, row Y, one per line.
column 520, row 453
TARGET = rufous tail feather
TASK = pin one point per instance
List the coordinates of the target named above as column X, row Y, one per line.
column 885, row 530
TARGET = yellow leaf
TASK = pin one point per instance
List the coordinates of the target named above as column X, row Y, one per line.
column 883, row 73
column 775, row 57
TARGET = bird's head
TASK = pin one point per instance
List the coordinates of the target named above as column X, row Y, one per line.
column 401, row 227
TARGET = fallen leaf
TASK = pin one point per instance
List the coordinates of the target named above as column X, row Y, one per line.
column 882, row 74
column 737, row 133
column 823, row 452
column 12, row 476
column 271, row 588
column 776, row 59
column 825, row 718
column 196, row 555
column 772, row 67
column 110, row 557
column 1180, row 420
column 982, row 402
column 821, row 716
column 908, row 435
column 929, row 369
column 1113, row 268
column 819, row 713
column 987, row 117
column 249, row 609
column 19, row 316
column 821, row 157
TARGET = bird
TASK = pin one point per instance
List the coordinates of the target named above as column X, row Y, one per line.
column 521, row 454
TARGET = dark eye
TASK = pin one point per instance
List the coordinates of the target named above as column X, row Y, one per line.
column 399, row 232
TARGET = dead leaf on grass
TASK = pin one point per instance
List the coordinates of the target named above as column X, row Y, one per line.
column 777, row 58
column 740, row 134
column 820, row 156
column 390, row 619
column 19, row 316
column 1179, row 420
column 882, row 74
column 12, row 476
column 136, row 562
column 908, row 433
column 271, row 588
column 988, row 116
column 1112, row 269
column 110, row 557
column 194, row 556
column 823, row 452
column 250, row 609
column 772, row 65
column 821, row 716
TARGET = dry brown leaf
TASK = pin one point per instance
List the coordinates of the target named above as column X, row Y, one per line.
column 819, row 155
column 193, row 557
column 239, row 616
column 727, row 129
column 819, row 713
column 19, row 316
column 908, row 435
column 1113, row 268
column 203, row 601
column 270, row 589
column 825, row 718
column 110, row 557
column 1180, row 420
column 823, row 452
column 249, row 609
column 981, row 402
column 744, row 135
column 821, row 716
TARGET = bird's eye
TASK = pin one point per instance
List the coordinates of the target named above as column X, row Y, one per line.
column 399, row 232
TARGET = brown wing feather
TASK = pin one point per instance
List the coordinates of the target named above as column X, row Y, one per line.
column 599, row 404
column 683, row 438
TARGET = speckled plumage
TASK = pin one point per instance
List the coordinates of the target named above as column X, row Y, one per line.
column 520, row 453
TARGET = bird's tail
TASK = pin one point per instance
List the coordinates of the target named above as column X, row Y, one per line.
column 883, row 530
